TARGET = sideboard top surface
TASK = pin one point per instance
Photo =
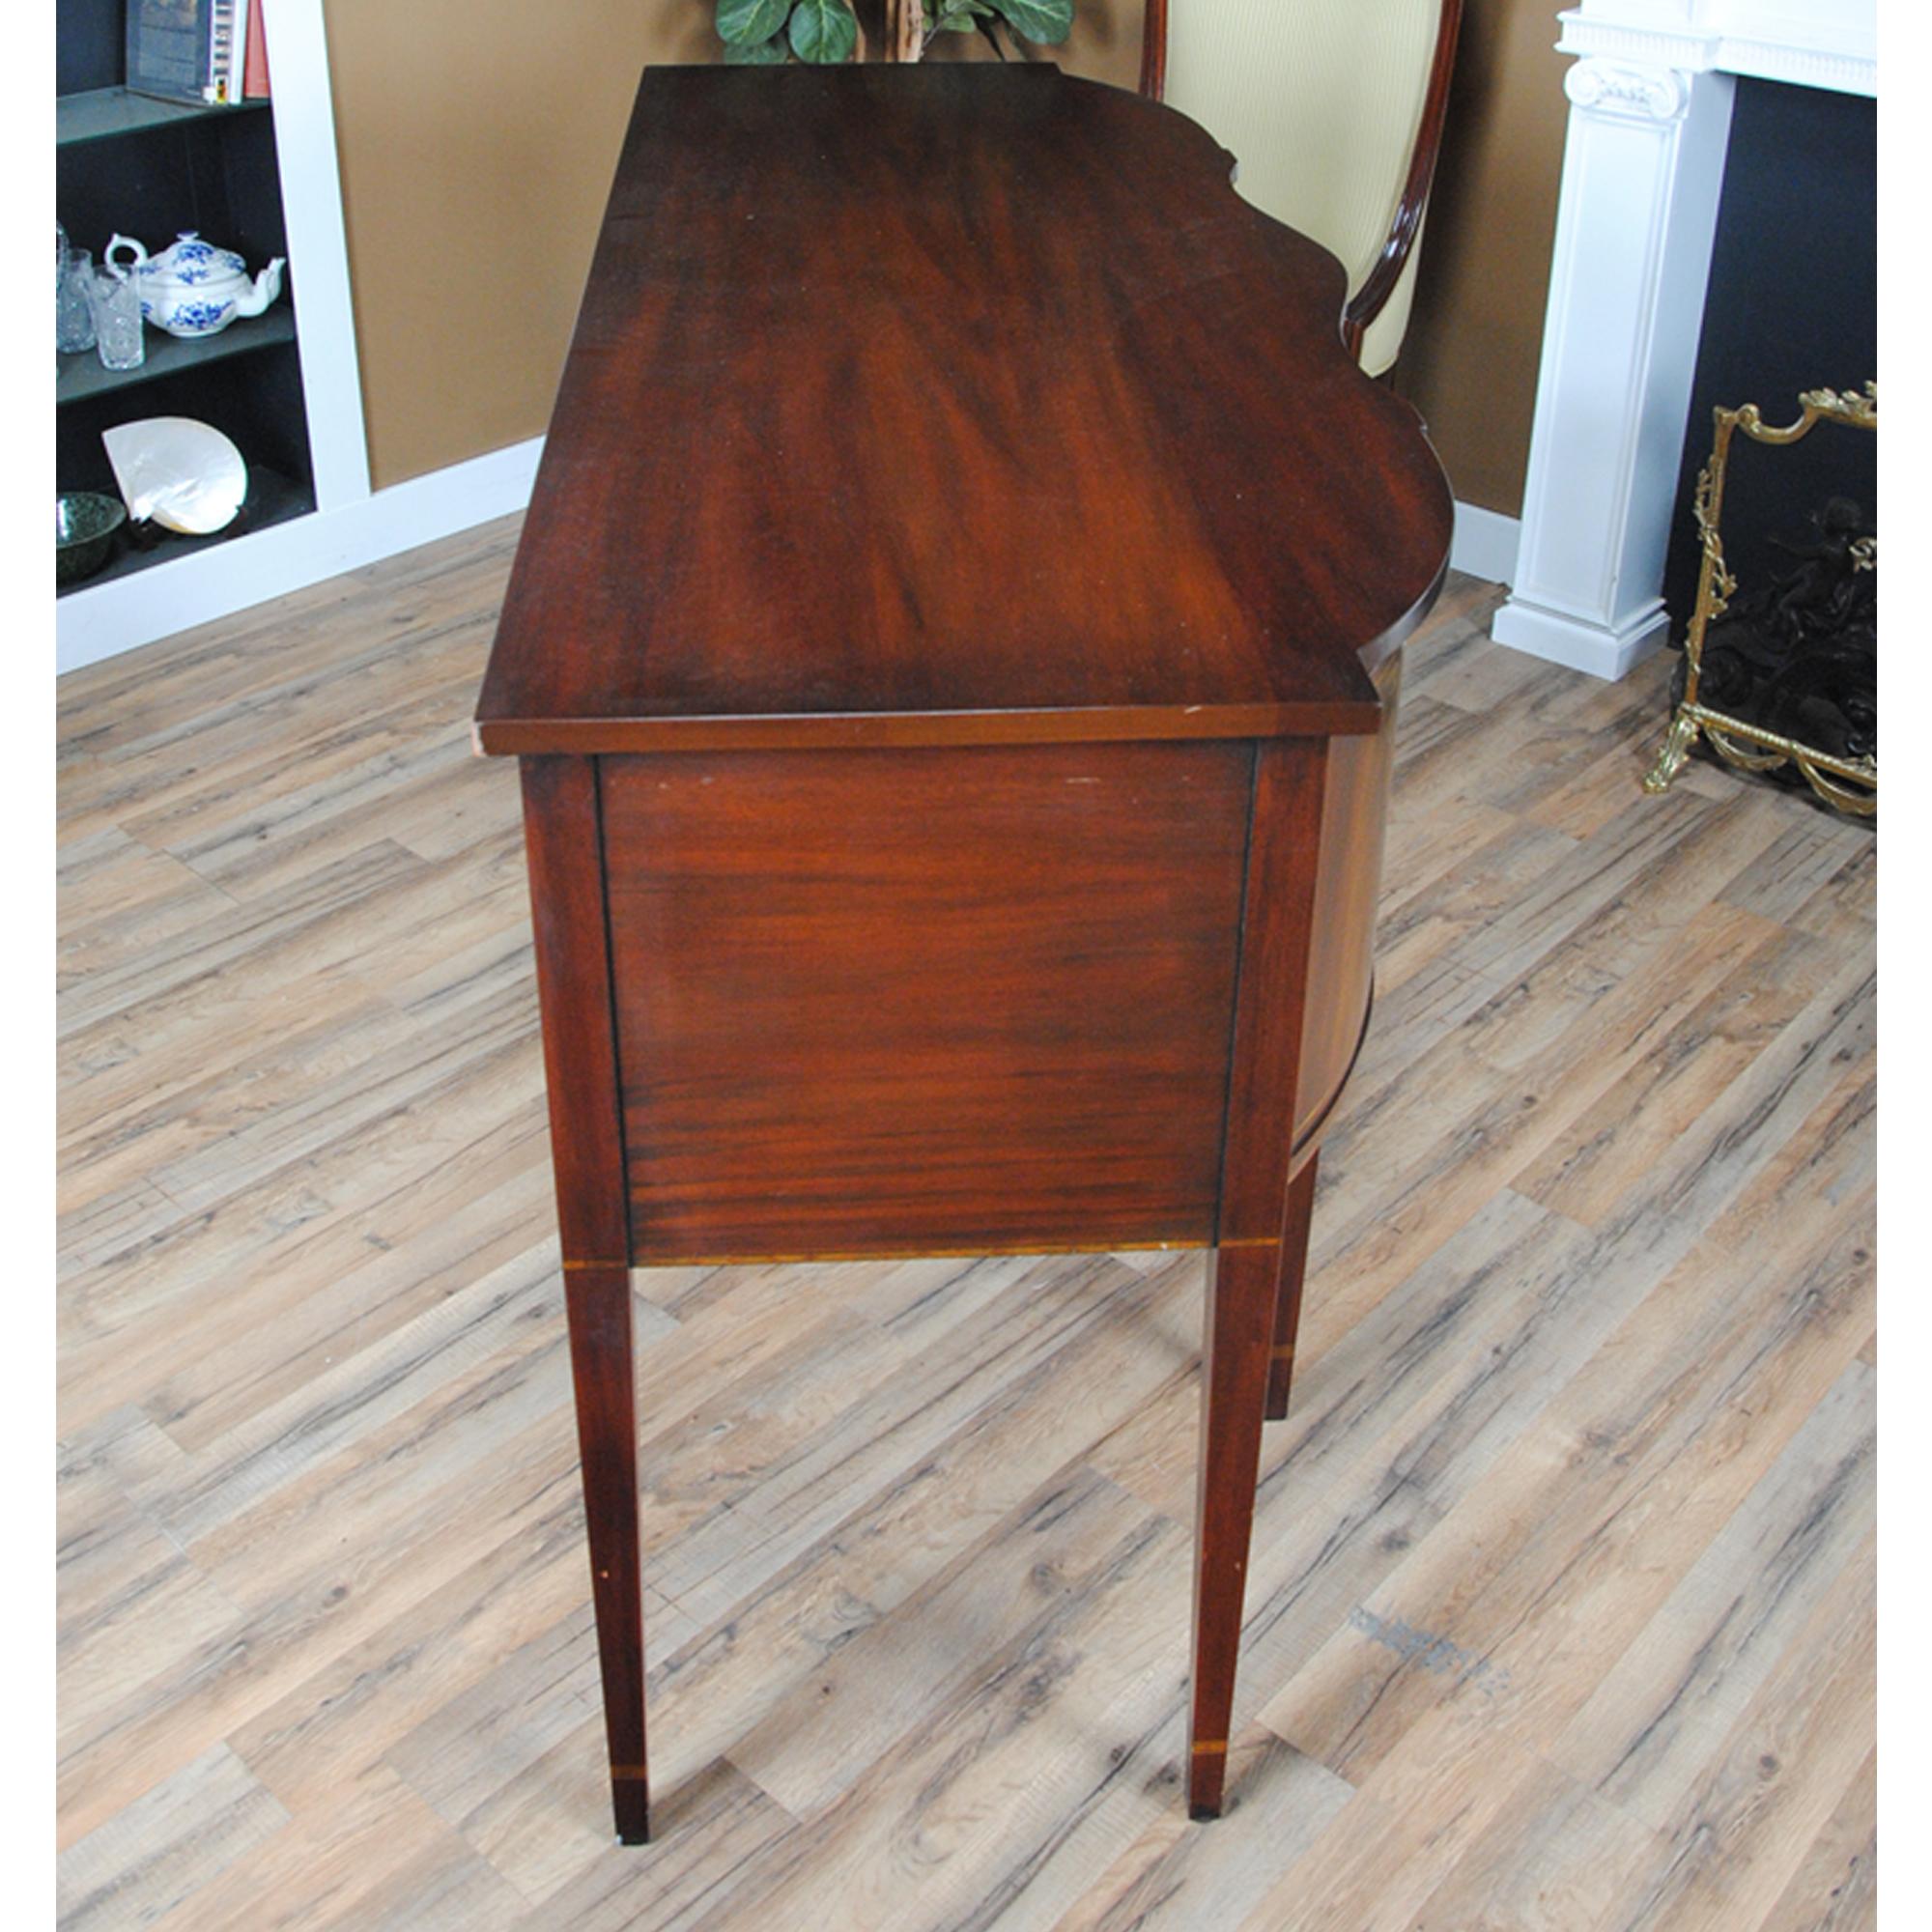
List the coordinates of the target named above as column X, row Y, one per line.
column 952, row 403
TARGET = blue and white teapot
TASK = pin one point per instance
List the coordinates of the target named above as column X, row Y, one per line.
column 193, row 288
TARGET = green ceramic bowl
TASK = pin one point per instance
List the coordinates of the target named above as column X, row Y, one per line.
column 84, row 527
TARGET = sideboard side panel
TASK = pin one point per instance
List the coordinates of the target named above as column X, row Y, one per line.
column 925, row 1000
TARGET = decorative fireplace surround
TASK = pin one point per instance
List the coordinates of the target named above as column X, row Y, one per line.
column 1650, row 110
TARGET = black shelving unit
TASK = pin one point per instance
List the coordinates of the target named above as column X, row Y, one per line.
column 97, row 113
column 86, row 374
column 151, row 169
column 272, row 500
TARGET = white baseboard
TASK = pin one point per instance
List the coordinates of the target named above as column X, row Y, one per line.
column 215, row 583
column 108, row 619
column 1485, row 543
column 1561, row 638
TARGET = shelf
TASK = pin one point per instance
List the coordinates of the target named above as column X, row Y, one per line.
column 264, row 181
column 83, row 374
column 272, row 500
column 106, row 111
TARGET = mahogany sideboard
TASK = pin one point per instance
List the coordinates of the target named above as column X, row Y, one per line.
column 952, row 652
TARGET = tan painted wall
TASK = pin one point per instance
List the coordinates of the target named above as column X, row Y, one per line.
column 477, row 139
column 1470, row 358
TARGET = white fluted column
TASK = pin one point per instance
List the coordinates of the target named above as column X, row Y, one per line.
column 1642, row 167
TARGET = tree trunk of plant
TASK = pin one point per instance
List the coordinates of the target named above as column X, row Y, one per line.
column 905, row 29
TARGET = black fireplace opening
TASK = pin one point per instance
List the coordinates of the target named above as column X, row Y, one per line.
column 1792, row 305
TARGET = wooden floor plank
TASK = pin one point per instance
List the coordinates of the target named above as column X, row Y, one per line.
column 1174, row 1878
column 370, row 1855
column 712, row 1829
column 1835, row 1886
column 140, row 1865
column 1527, row 1591
column 1744, row 1831
column 1662, row 1711
column 1558, row 1858
column 1559, row 1605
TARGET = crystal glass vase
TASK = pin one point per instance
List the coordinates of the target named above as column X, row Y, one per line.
column 73, row 307
column 116, row 322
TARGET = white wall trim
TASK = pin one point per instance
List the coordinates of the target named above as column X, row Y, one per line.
column 1582, row 643
column 305, row 158
column 130, row 610
column 1485, row 542
column 1831, row 43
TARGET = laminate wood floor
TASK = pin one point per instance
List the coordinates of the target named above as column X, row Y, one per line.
column 1560, row 1611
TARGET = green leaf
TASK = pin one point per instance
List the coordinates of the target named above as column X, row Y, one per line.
column 758, row 53
column 956, row 16
column 1048, row 21
column 743, row 24
column 823, row 31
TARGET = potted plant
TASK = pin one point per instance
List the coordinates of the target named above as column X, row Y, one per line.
column 767, row 31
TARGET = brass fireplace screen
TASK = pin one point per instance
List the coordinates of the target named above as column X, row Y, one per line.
column 1785, row 674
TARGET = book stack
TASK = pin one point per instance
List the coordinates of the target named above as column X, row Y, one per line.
column 207, row 51
column 255, row 62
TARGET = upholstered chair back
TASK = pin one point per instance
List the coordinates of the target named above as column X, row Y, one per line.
column 1321, row 101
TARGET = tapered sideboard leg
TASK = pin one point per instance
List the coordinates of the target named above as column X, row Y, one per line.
column 606, row 1434
column 1247, row 1265
column 1241, row 1330
column 563, row 829
column 1288, row 1291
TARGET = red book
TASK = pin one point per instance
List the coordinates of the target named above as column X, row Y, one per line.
column 255, row 60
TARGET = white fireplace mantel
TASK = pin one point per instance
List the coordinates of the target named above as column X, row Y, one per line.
column 1650, row 112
